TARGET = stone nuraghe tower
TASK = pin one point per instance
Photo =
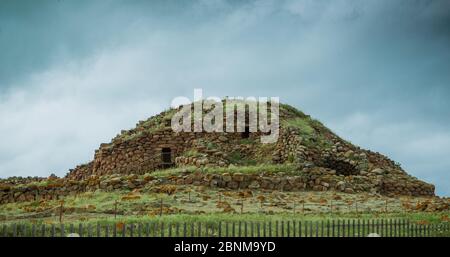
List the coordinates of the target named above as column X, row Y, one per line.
column 321, row 158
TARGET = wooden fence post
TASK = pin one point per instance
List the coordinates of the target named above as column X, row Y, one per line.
column 359, row 228
column 245, row 228
column 62, row 230
column 288, row 229
column 353, row 227
column 276, row 228
column 363, row 228
column 259, row 229
column 395, row 227
column 321, row 228
column 264, row 229
column 328, row 228
column 53, row 230
column 98, row 230
column 226, row 229
column 270, row 228
column 348, row 228
column 33, row 230
column 14, row 229
column 89, row 230
column 338, row 228
column 234, row 229
column 139, row 229
column 343, row 228
column 408, row 229
column 300, row 229
column 376, row 227
column 251, row 228
column 306, row 228
column 317, row 229
column 239, row 229
column 43, row 230
column 390, row 228
column 293, row 228
column 400, row 227
column 332, row 227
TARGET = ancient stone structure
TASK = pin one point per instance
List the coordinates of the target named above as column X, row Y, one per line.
column 320, row 160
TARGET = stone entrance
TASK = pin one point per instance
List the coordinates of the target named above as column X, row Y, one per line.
column 341, row 167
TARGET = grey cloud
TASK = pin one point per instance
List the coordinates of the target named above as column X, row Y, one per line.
column 74, row 73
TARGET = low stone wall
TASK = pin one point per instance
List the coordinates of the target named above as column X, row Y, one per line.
column 316, row 179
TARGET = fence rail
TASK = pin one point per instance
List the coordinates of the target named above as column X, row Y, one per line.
column 323, row 228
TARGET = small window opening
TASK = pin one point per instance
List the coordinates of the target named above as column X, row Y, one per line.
column 166, row 154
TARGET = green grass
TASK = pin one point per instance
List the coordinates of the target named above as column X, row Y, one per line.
column 247, row 141
column 192, row 153
column 253, row 169
column 301, row 124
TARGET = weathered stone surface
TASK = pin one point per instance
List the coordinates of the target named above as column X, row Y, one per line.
column 239, row 177
column 226, row 177
column 254, row 185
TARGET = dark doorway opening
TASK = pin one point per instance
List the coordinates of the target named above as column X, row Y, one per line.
column 246, row 133
column 341, row 167
column 166, row 155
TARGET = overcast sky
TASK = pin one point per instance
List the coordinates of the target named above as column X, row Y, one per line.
column 74, row 73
